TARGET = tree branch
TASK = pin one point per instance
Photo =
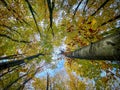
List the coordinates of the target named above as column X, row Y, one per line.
column 18, row 41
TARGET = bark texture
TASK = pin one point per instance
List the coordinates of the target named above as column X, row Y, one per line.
column 106, row 49
column 5, row 65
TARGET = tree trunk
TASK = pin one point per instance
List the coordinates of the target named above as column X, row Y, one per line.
column 47, row 86
column 106, row 49
column 5, row 65
column 110, row 20
column 13, row 69
column 100, row 7
column 11, row 56
column 77, row 8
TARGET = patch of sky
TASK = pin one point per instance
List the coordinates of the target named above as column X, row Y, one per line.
column 101, row 12
column 59, row 64
column 52, row 72
column 37, row 37
column 59, row 19
column 43, row 24
column 117, row 11
column 11, row 18
column 103, row 73
column 19, row 51
column 116, row 82
column 15, row 28
column 118, row 23
column 113, row 70
column 81, row 5
column 5, row 60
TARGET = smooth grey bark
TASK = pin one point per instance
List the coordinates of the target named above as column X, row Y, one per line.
column 5, row 65
column 106, row 49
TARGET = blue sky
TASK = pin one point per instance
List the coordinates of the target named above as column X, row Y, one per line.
column 52, row 72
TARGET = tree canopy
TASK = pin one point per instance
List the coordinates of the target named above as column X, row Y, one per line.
column 34, row 34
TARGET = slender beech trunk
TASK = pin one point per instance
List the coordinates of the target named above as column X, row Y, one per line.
column 11, row 56
column 5, row 65
column 100, row 7
column 85, row 5
column 77, row 8
column 51, row 6
column 47, row 86
column 106, row 49
column 13, row 69
column 110, row 20
column 51, row 85
column 33, row 15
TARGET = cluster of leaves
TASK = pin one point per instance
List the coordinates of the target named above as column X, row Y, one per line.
column 89, row 24
column 60, row 82
column 20, row 38
column 93, row 70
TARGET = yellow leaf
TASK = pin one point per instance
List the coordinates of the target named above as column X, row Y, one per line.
column 93, row 22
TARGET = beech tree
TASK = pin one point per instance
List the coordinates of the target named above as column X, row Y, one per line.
column 106, row 49
column 6, row 65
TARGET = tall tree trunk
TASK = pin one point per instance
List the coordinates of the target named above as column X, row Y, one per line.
column 77, row 8
column 47, row 86
column 5, row 65
column 9, row 71
column 106, row 49
column 100, row 7
column 11, row 56
column 110, row 20
column 33, row 15
column 85, row 6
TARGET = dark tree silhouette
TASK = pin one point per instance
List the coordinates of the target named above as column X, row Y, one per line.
column 100, row 7
column 6, row 65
